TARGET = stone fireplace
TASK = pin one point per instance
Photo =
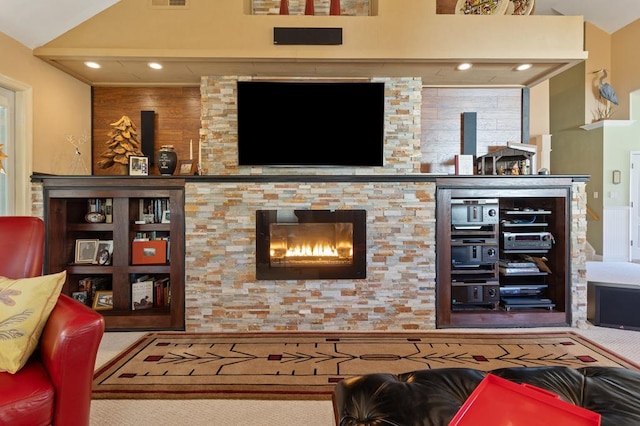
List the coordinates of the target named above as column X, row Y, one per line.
column 310, row 244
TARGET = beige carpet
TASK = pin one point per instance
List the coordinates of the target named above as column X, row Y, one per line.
column 307, row 365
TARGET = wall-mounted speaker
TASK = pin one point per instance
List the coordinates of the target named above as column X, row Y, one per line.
column 147, row 134
column 469, row 133
column 307, row 36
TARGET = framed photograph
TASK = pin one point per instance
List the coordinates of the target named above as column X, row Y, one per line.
column 86, row 251
column 187, row 167
column 105, row 250
column 138, row 166
column 80, row 296
column 103, row 300
column 166, row 216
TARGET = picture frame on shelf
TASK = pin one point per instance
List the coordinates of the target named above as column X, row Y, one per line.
column 138, row 166
column 103, row 300
column 186, row 167
column 86, row 251
column 80, row 296
column 104, row 253
column 166, row 216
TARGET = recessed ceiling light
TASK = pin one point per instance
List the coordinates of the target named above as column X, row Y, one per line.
column 463, row 67
column 93, row 65
column 523, row 67
column 155, row 65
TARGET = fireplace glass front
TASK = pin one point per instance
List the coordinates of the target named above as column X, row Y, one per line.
column 306, row 244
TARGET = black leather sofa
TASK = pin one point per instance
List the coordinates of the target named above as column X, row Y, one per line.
column 433, row 397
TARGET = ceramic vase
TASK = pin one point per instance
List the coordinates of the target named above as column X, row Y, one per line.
column 284, row 7
column 334, row 7
column 167, row 160
column 309, row 8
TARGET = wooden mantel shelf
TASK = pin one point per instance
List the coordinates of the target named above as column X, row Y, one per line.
column 607, row 123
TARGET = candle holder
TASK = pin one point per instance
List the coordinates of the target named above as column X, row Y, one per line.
column 201, row 170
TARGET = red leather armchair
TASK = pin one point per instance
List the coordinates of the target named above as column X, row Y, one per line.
column 54, row 387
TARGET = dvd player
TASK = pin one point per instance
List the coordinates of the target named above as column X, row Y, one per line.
column 522, row 290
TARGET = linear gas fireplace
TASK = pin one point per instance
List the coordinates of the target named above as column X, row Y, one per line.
column 308, row 244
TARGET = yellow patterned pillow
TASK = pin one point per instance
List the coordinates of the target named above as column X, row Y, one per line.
column 25, row 305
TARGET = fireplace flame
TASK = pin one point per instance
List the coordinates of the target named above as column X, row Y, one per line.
column 317, row 250
column 310, row 250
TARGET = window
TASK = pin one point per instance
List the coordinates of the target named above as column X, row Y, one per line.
column 16, row 108
column 8, row 176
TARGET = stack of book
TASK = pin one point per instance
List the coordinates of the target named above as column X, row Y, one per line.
column 149, row 292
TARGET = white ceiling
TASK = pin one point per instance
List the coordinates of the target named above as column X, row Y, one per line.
column 36, row 22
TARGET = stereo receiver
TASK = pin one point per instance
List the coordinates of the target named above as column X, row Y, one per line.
column 527, row 240
column 474, row 213
column 473, row 255
column 486, row 293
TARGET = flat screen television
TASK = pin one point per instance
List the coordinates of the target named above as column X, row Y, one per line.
column 310, row 124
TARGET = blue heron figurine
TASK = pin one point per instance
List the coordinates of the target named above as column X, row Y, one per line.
column 606, row 90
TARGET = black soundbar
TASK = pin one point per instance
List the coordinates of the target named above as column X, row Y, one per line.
column 307, row 36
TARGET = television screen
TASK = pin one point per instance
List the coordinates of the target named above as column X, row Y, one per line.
column 310, row 123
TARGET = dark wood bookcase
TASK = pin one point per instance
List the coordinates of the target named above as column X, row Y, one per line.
column 65, row 205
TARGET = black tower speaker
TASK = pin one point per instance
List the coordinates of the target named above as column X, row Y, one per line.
column 147, row 134
column 469, row 133
column 307, row 36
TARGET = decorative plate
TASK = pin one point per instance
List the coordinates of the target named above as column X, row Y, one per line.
column 521, row 7
column 482, row 7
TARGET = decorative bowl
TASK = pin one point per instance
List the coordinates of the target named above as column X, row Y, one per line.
column 481, row 7
column 520, row 7
column 94, row 217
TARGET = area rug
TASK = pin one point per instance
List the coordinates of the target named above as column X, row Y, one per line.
column 167, row 365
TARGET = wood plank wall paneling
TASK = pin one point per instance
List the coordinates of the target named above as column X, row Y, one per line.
column 499, row 120
column 177, row 118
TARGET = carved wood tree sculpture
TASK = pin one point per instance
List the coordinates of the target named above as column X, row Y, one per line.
column 123, row 143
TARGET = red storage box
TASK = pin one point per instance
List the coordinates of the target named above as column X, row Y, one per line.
column 148, row 252
column 500, row 402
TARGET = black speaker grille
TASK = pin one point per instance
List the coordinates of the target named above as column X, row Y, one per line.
column 147, row 134
column 307, row 36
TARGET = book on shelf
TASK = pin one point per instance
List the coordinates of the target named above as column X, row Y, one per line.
column 161, row 292
column 150, row 210
column 142, row 295
column 108, row 210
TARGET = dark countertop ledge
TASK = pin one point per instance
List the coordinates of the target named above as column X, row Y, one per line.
column 440, row 180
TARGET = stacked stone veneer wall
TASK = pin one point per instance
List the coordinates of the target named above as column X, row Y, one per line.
column 578, row 241
column 321, row 7
column 222, row 293
column 219, row 132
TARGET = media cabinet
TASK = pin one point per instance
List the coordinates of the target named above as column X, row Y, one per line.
column 212, row 263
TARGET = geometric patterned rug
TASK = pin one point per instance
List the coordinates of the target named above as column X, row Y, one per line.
column 173, row 365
